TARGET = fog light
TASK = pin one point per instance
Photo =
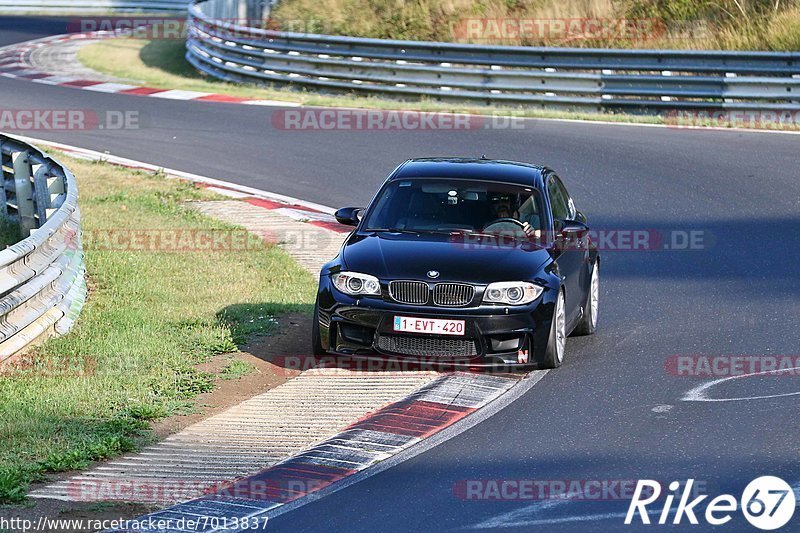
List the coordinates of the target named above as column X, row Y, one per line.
column 504, row 345
column 356, row 334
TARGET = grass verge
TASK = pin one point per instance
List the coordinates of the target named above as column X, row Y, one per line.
column 150, row 318
column 161, row 64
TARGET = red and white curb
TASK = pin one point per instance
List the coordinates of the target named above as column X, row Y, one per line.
column 14, row 63
column 443, row 408
column 290, row 207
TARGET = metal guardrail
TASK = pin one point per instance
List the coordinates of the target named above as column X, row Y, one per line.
column 596, row 79
column 92, row 6
column 42, row 285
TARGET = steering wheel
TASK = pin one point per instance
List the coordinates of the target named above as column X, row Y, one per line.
column 507, row 220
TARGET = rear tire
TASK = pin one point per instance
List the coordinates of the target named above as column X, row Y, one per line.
column 556, row 342
column 588, row 324
column 316, row 340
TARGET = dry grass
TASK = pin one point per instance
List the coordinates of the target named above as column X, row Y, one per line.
column 682, row 24
column 432, row 20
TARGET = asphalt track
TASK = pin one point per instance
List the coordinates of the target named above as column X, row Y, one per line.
column 613, row 412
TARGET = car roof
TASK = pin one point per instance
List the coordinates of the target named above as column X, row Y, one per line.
column 472, row 168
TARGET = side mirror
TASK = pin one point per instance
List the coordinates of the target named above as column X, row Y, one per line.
column 570, row 228
column 348, row 215
column 569, row 234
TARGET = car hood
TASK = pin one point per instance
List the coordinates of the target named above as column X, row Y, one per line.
column 455, row 257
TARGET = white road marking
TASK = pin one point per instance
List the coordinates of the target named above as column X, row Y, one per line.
column 521, row 516
column 562, row 520
column 176, row 94
column 299, row 214
column 229, row 193
column 272, row 103
column 110, row 87
column 518, row 518
column 699, row 393
column 54, row 80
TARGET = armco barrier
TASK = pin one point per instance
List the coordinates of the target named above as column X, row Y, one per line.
column 42, row 285
column 92, row 6
column 572, row 78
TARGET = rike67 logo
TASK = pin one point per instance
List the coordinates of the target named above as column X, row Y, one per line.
column 768, row 503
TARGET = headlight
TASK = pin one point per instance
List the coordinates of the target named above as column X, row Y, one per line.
column 512, row 293
column 354, row 284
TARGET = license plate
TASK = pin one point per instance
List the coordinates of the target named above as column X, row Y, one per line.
column 434, row 326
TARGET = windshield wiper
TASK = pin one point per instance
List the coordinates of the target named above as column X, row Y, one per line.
column 393, row 230
column 434, row 231
column 470, row 232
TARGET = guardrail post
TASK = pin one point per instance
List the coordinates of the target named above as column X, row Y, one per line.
column 41, row 193
column 5, row 160
column 255, row 12
column 23, row 193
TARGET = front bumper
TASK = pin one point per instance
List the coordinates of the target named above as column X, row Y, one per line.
column 494, row 335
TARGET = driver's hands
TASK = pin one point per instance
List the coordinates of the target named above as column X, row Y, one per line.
column 529, row 231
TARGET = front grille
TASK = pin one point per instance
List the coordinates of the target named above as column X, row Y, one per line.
column 409, row 292
column 427, row 346
column 453, row 294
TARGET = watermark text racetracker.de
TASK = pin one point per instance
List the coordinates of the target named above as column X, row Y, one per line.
column 59, row 119
column 785, row 120
column 604, row 239
column 558, row 29
column 548, row 489
column 388, row 120
column 175, row 240
column 177, row 28
column 194, row 240
column 173, row 490
column 732, row 365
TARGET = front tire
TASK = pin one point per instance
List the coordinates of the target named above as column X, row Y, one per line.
column 556, row 343
column 316, row 340
column 588, row 324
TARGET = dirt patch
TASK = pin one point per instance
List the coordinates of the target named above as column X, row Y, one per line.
column 292, row 339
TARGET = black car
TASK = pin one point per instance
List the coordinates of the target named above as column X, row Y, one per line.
column 482, row 262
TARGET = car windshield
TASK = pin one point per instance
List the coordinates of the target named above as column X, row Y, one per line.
column 454, row 205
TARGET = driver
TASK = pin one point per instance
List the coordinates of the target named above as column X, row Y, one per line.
column 501, row 207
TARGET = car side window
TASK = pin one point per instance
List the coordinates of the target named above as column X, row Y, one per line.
column 571, row 211
column 558, row 203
